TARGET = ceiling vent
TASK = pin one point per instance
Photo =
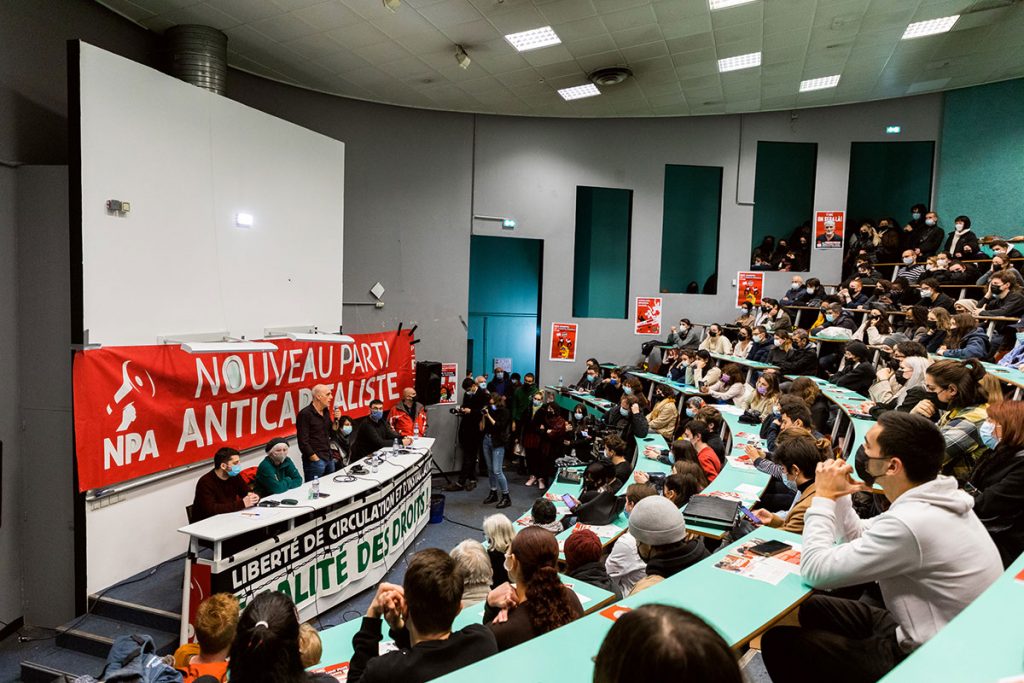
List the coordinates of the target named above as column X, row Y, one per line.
column 611, row 76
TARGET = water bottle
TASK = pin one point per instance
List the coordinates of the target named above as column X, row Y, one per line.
column 416, row 430
column 398, row 444
column 560, row 383
column 314, row 491
column 373, row 464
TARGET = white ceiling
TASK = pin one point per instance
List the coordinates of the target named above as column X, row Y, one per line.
column 357, row 48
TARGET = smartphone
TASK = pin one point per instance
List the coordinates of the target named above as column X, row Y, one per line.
column 769, row 548
column 749, row 515
column 569, row 502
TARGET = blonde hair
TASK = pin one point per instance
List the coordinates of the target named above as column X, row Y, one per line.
column 499, row 532
column 216, row 621
column 311, row 649
column 471, row 557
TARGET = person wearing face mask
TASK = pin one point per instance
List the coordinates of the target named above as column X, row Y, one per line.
column 685, row 336
column 590, row 377
column 742, row 346
column 1003, row 248
column 552, row 432
column 501, row 384
column 798, row 453
column 795, row 293
column 580, row 438
column 961, row 404
column 760, row 345
column 702, row 371
column 962, row 235
column 1004, row 298
column 900, row 390
column 495, row 423
column 930, row 238
column 716, row 342
column 887, row 242
column 610, row 388
column 746, row 318
column 938, row 330
column 1000, row 264
column 811, row 295
column 932, row 296
column 765, row 395
column 929, row 554
column 803, row 356
column 534, row 431
column 776, row 319
column 966, row 339
column 277, row 472
column 781, row 348
column 407, row 416
column 341, row 435
column 911, row 269
column 693, row 404
column 624, row 565
column 730, row 385
column 520, row 407
column 857, row 372
column 1015, row 357
column 997, row 483
column 912, row 230
column 375, row 433
column 663, row 415
column 660, row 534
column 853, row 296
column 222, row 490
column 474, row 400
column 630, row 419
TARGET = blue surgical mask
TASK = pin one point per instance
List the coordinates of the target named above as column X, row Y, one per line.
column 628, row 391
column 790, row 484
column 579, row 416
column 499, row 375
column 929, row 222
column 537, row 402
column 1020, row 336
column 613, row 381
column 987, row 433
column 376, row 415
column 830, row 317
column 916, row 215
column 346, row 430
column 482, row 385
column 690, row 412
column 908, row 260
column 234, row 470
column 623, row 411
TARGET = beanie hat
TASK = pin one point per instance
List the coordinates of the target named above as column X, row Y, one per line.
column 581, row 547
column 858, row 349
column 970, row 305
column 655, row 520
column 273, row 442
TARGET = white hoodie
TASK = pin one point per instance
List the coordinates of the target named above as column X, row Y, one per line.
column 929, row 553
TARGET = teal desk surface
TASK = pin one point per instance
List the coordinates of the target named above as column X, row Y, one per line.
column 595, row 406
column 337, row 640
column 737, row 606
column 983, row 643
column 743, row 361
column 659, row 379
column 1009, row 375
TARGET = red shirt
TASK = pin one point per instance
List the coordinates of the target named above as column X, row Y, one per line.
column 708, row 459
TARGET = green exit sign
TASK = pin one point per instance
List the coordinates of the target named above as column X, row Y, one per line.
column 508, row 224
column 892, row 130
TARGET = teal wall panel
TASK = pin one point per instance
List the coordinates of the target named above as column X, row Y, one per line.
column 691, row 222
column 981, row 158
column 886, row 179
column 783, row 188
column 601, row 252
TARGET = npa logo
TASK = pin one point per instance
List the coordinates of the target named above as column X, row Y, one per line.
column 120, row 451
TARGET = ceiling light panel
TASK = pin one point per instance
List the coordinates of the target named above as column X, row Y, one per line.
column 579, row 92
column 819, row 83
column 920, row 29
column 738, row 62
column 533, row 39
column 722, row 4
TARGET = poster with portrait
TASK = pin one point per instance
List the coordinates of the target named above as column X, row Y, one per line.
column 647, row 318
column 503, row 363
column 449, row 383
column 563, row 342
column 828, row 229
column 749, row 288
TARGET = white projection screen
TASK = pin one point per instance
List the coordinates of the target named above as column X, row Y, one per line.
column 188, row 161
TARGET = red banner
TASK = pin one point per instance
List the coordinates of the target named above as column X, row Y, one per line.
column 145, row 409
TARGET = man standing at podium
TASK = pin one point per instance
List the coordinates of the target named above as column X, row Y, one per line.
column 313, row 429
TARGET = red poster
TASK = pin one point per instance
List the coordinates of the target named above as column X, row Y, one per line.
column 828, row 229
column 749, row 288
column 647, row 320
column 145, row 409
column 563, row 342
column 449, row 383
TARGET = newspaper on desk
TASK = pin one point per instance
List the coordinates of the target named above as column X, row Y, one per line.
column 603, row 531
column 768, row 569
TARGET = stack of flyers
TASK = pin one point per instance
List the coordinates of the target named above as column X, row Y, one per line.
column 768, row 569
column 604, row 531
column 338, row 671
column 742, row 461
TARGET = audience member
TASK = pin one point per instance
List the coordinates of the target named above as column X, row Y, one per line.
column 960, row 404
column 760, row 345
column 663, row 416
column 680, row 488
column 1004, row 297
column 857, row 372
column 474, row 398
column 798, row 454
column 629, row 420
column 538, row 602
column 911, row 270
column 796, row 292
column 660, row 534
column 710, row 416
column 961, row 236
column 311, row 648
column 583, row 561
column 473, row 563
column 730, row 385
column 684, row 336
column 938, row 329
column 610, row 388
column 966, row 339
column 716, row 342
column 746, row 318
column 929, row 554
column 1015, row 357
column 803, row 356
column 222, row 490
column 420, row 613
column 662, row 643
column 781, row 348
column 215, row 622
column 545, row 516
column 498, row 533
column 901, row 390
column 1000, row 264
column 276, row 473
column 266, row 644
column 695, row 432
column 501, row 384
column 997, row 484
column 624, row 565
column 932, row 296
column 776, row 319
column 808, row 391
column 765, row 395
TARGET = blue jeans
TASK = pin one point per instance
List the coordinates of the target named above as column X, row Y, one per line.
column 312, row 469
column 494, row 457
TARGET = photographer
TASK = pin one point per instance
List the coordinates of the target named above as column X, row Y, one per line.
column 496, row 423
column 473, row 401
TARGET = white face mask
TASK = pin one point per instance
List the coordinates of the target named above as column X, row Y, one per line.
column 908, row 260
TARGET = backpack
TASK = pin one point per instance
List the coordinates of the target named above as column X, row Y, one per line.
column 132, row 659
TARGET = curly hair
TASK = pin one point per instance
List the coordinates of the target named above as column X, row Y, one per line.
column 547, row 602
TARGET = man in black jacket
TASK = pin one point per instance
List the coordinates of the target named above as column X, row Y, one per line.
column 803, row 357
column 931, row 236
column 857, row 373
column 630, row 420
column 374, row 433
column 932, row 296
column 1005, row 297
column 474, row 400
column 420, row 613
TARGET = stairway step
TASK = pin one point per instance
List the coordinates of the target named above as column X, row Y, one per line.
column 93, row 635
column 142, row 615
column 56, row 662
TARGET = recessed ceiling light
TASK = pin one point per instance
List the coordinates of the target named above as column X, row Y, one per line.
column 579, row 92
column 819, row 83
column 533, row 39
column 722, row 4
column 930, row 27
column 739, row 62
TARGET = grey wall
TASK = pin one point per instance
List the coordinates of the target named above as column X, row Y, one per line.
column 10, row 529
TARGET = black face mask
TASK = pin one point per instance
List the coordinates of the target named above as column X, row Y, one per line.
column 860, row 465
column 934, row 398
